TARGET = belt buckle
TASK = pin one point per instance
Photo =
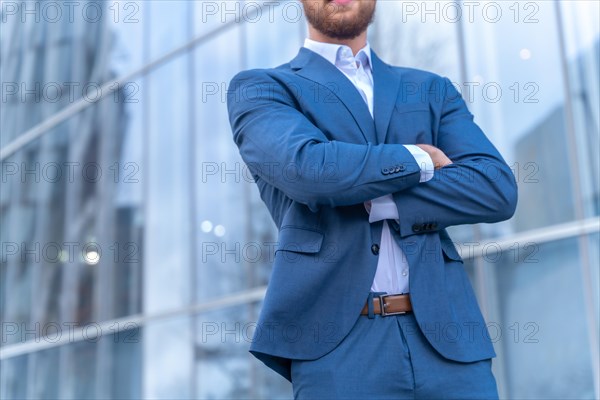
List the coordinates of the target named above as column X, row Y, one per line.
column 382, row 307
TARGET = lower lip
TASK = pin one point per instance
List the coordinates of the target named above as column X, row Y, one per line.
column 342, row 2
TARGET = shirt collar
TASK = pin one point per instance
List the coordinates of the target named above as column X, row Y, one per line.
column 333, row 52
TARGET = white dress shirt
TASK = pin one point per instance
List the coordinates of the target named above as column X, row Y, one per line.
column 392, row 271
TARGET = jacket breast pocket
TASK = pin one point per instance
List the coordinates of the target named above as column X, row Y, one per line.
column 299, row 240
column 410, row 124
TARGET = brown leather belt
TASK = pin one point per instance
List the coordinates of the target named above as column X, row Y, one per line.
column 393, row 304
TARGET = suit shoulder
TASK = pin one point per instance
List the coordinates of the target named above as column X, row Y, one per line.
column 262, row 74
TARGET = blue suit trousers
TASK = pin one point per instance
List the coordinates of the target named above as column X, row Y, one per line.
column 389, row 358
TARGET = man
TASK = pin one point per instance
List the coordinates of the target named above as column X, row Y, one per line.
column 362, row 166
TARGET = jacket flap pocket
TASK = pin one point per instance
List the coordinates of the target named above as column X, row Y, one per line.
column 450, row 251
column 299, row 240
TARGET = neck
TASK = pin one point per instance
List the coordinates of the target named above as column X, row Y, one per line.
column 355, row 44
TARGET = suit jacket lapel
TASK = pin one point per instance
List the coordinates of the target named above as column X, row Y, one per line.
column 385, row 92
column 316, row 68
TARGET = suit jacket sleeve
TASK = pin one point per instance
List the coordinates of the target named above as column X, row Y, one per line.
column 478, row 187
column 281, row 146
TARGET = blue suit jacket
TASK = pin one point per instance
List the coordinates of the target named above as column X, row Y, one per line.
column 316, row 154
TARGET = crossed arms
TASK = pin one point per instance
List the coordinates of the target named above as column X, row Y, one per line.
column 276, row 139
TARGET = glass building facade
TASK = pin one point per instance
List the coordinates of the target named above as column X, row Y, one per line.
column 135, row 249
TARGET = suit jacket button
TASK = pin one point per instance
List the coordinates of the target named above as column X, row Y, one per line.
column 397, row 169
column 375, row 249
column 401, row 168
column 434, row 225
column 385, row 171
column 416, row 228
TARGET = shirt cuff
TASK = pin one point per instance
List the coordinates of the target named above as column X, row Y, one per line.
column 382, row 208
column 423, row 160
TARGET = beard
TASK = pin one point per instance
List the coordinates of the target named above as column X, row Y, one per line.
column 335, row 22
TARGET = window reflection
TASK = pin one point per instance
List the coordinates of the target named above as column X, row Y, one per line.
column 537, row 337
column 225, row 369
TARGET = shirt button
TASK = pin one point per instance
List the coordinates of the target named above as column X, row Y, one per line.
column 375, row 249
column 404, row 272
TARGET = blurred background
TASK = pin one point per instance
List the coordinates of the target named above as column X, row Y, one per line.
column 135, row 249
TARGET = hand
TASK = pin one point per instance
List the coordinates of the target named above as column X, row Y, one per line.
column 437, row 156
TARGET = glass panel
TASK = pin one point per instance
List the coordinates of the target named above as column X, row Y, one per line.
column 518, row 101
column 418, row 35
column 44, row 374
column 582, row 38
column 170, row 25
column 539, row 321
column 127, row 23
column 594, row 246
column 81, row 370
column 123, row 362
column 71, row 223
column 63, row 52
column 168, row 359
column 210, row 15
column 225, row 368
column 213, row 15
column 12, row 382
column 282, row 28
column 35, row 237
column 235, row 233
column 168, row 280
column 103, row 365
